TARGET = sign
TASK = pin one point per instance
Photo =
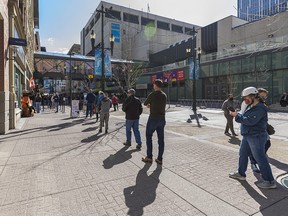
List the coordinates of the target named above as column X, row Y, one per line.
column 153, row 78
column 166, row 77
column 173, row 76
column 115, row 30
column 98, row 66
column 75, row 108
column 90, row 76
column 17, row 41
column 191, row 71
column 141, row 86
column 107, row 63
column 98, row 63
column 180, row 75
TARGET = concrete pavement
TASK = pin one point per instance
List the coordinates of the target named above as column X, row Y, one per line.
column 54, row 165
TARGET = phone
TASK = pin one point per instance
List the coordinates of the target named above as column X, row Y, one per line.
column 231, row 109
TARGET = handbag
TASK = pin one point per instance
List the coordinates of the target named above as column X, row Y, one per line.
column 270, row 129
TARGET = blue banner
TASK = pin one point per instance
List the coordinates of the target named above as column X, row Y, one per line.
column 107, row 63
column 115, row 30
column 191, row 69
column 98, row 65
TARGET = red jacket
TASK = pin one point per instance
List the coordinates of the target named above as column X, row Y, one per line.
column 114, row 100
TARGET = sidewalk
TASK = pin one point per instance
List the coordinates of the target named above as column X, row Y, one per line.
column 55, row 165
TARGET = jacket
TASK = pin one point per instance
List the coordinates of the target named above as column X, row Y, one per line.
column 132, row 107
column 91, row 98
column 105, row 105
column 253, row 120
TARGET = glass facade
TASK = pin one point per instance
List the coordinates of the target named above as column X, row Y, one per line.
column 258, row 9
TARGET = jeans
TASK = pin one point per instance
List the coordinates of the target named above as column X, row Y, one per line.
column 134, row 124
column 152, row 125
column 89, row 109
column 38, row 107
column 255, row 144
column 104, row 117
column 267, row 146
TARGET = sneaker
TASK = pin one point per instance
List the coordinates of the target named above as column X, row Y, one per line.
column 127, row 144
column 267, row 185
column 138, row 146
column 147, row 160
column 100, row 131
column 227, row 134
column 106, row 131
column 235, row 135
column 236, row 175
column 158, row 161
column 255, row 168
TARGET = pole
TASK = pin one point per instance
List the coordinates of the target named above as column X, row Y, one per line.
column 70, row 85
column 102, row 49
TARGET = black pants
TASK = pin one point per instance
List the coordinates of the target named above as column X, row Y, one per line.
column 229, row 124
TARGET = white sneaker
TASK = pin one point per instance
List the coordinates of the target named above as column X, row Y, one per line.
column 236, row 175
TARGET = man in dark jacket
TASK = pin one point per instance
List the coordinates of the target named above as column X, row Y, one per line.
column 133, row 109
column 91, row 98
column 228, row 104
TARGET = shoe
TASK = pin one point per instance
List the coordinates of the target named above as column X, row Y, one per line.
column 127, row 144
column 138, row 146
column 235, row 135
column 100, row 131
column 255, row 168
column 106, row 131
column 96, row 120
column 227, row 134
column 158, row 161
column 147, row 160
column 267, row 185
column 236, row 175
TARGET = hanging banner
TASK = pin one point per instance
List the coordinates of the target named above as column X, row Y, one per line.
column 191, row 69
column 98, row 66
column 153, row 78
column 166, row 77
column 159, row 76
column 173, row 76
column 180, row 75
column 32, row 83
column 107, row 63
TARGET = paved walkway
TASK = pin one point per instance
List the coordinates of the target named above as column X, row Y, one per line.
column 54, row 165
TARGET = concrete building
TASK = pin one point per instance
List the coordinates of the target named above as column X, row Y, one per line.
column 137, row 34
column 18, row 18
column 259, row 9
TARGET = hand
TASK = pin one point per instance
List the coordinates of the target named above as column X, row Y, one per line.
column 233, row 113
column 148, row 105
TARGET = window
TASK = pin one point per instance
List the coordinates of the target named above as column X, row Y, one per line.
column 145, row 21
column 163, row 25
column 188, row 31
column 130, row 18
column 97, row 17
column 112, row 14
column 176, row 28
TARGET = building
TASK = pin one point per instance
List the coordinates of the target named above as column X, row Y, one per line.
column 259, row 9
column 136, row 34
column 18, row 18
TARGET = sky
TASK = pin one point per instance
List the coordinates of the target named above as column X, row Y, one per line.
column 61, row 21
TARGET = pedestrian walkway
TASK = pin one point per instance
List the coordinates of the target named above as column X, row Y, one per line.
column 54, row 165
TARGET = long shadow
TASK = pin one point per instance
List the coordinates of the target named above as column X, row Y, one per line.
column 268, row 199
column 234, row 141
column 143, row 193
column 278, row 164
column 119, row 157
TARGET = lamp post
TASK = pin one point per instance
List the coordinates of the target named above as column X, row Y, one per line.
column 112, row 39
column 92, row 38
column 71, row 83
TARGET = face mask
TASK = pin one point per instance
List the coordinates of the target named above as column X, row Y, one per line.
column 247, row 101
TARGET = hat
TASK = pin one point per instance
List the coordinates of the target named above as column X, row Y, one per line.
column 131, row 91
column 158, row 83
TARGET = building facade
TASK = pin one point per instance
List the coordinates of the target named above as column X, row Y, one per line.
column 137, row 34
column 259, row 9
column 17, row 21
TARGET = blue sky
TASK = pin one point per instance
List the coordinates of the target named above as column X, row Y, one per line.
column 61, row 21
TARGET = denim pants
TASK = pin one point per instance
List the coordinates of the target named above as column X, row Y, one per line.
column 152, row 126
column 89, row 109
column 133, row 124
column 38, row 107
column 255, row 145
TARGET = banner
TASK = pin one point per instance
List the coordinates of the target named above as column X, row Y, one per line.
column 98, row 66
column 107, row 63
column 180, row 75
column 173, row 76
column 166, row 77
column 191, row 69
column 153, row 78
column 159, row 76
column 75, row 108
column 98, row 63
column 32, row 83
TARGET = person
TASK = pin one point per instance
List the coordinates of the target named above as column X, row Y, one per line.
column 254, row 137
column 56, row 101
column 132, row 107
column 284, row 100
column 26, row 104
column 156, row 101
column 105, row 106
column 228, row 104
column 100, row 97
column 91, row 98
column 115, row 102
column 38, row 100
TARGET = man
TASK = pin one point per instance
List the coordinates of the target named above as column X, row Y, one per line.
column 56, row 101
column 115, row 102
column 105, row 106
column 99, row 98
column 253, row 130
column 284, row 100
column 228, row 104
column 91, row 98
column 133, row 109
column 156, row 101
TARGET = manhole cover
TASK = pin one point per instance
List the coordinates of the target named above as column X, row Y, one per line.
column 284, row 181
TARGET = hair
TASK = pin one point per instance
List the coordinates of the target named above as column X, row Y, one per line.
column 260, row 90
column 131, row 91
column 158, row 83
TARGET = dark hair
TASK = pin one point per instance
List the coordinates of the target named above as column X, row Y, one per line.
column 158, row 83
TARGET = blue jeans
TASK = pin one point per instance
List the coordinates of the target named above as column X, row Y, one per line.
column 255, row 145
column 158, row 125
column 133, row 124
column 38, row 107
column 89, row 109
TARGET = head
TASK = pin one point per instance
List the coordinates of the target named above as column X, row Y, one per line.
column 249, row 95
column 230, row 97
column 100, row 92
column 131, row 92
column 263, row 93
column 90, row 90
column 106, row 94
column 158, row 85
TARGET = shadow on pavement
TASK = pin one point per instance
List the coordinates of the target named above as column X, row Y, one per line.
column 280, row 165
column 234, row 141
column 119, row 157
column 143, row 193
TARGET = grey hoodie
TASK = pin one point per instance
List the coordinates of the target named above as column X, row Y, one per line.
column 106, row 104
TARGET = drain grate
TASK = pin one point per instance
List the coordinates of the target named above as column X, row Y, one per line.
column 284, row 181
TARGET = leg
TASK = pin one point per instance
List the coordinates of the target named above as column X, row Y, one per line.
column 101, row 120
column 128, row 131
column 150, row 128
column 136, row 131
column 227, row 126
column 230, row 124
column 243, row 156
column 87, row 110
column 160, row 134
column 106, row 121
column 267, row 145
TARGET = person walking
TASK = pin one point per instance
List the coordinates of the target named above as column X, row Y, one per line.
column 133, row 109
column 156, row 101
column 115, row 102
column 90, row 98
column 38, row 100
column 99, row 98
column 228, row 104
column 56, row 101
column 105, row 106
column 254, row 137
column 284, row 100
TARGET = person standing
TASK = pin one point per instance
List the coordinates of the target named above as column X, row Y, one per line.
column 156, row 101
column 254, row 137
column 105, row 106
column 38, row 100
column 133, row 109
column 99, row 98
column 284, row 100
column 115, row 102
column 91, row 98
column 228, row 104
column 56, row 101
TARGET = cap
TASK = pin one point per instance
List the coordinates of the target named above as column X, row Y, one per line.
column 131, row 91
column 158, row 83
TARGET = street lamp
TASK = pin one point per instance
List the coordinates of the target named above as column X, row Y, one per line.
column 112, row 39
column 92, row 38
column 71, row 83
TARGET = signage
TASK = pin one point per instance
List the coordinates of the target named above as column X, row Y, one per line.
column 17, row 41
column 75, row 108
column 141, row 86
column 180, row 75
column 115, row 30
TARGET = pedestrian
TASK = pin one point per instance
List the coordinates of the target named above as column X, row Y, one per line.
column 156, row 101
column 228, row 104
column 284, row 100
column 56, row 101
column 132, row 107
column 38, row 100
column 105, row 106
column 100, row 97
column 115, row 102
column 254, row 137
column 90, row 98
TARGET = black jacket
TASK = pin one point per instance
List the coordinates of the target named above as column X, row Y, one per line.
column 132, row 107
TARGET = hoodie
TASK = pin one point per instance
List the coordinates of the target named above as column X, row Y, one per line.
column 105, row 105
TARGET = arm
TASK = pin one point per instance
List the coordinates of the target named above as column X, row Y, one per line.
column 148, row 100
column 251, row 119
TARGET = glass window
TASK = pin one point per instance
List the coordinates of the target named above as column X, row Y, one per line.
column 188, row 31
column 163, row 25
column 248, row 64
column 235, row 66
column 263, row 62
column 177, row 28
column 214, row 69
column 112, row 14
column 205, row 71
column 145, row 21
column 223, row 68
column 130, row 18
column 280, row 60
